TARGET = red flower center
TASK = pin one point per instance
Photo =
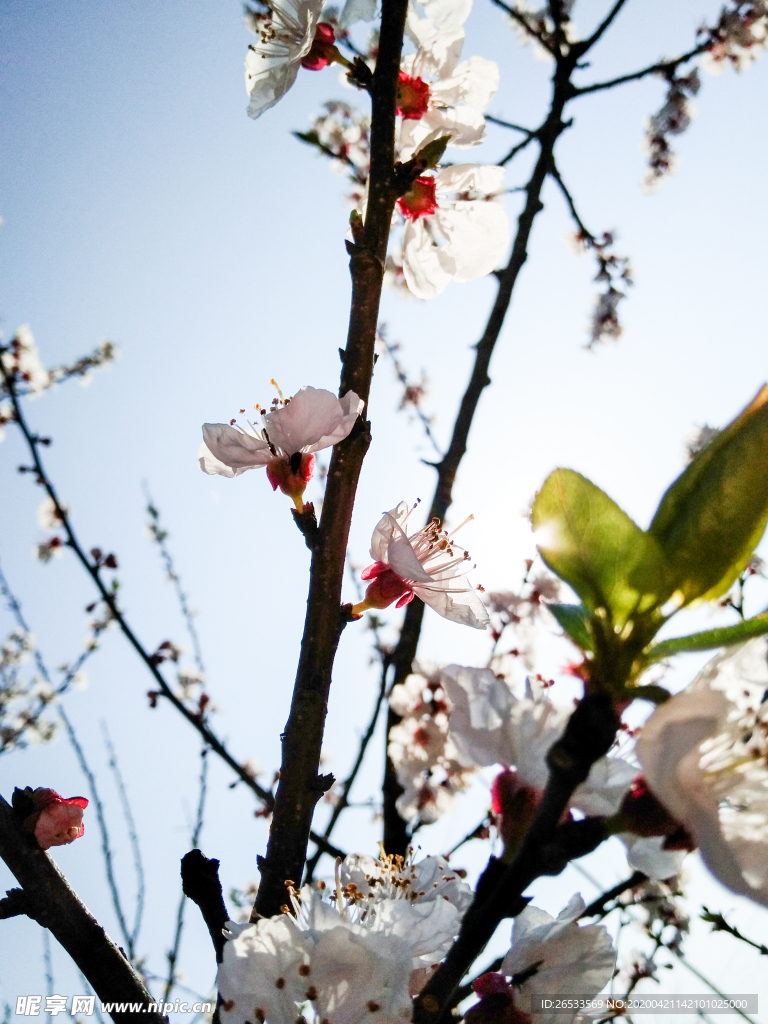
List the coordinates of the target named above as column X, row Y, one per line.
column 412, row 97
column 420, row 200
column 322, row 51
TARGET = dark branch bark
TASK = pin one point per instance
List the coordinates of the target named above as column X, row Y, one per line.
column 598, row 906
column 53, row 903
column 197, row 721
column 659, row 68
column 200, row 882
column 395, row 832
column 601, row 29
column 298, row 789
column 546, row 849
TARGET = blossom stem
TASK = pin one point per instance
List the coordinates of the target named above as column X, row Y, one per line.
column 299, row 787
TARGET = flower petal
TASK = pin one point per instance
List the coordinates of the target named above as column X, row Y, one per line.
column 464, row 607
column 478, row 237
column 427, row 267
column 313, row 419
column 233, row 449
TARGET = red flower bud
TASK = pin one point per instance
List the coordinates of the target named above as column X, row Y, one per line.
column 56, row 821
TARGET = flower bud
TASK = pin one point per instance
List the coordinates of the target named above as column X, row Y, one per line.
column 55, row 821
column 514, row 804
column 412, row 97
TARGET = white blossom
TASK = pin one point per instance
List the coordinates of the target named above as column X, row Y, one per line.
column 438, row 96
column 490, row 725
column 292, row 432
column 704, row 754
column 569, row 959
column 349, row 958
column 48, row 516
column 22, row 359
column 456, row 227
column 428, row 564
column 286, row 33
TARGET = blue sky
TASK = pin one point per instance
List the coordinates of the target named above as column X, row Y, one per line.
column 141, row 204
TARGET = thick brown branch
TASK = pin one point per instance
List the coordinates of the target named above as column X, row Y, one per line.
column 299, row 787
column 55, row 905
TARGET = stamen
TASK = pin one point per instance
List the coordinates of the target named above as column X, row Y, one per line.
column 275, row 385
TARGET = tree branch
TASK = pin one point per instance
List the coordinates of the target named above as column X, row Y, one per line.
column 587, row 44
column 521, row 20
column 343, row 801
column 200, row 882
column 300, row 787
column 55, row 905
column 597, row 907
column 588, row 735
column 659, row 68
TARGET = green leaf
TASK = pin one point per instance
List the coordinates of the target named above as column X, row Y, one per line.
column 712, row 517
column 709, row 639
column 595, row 547
column 573, row 619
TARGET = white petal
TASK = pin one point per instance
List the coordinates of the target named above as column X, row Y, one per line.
column 383, row 533
column 465, row 126
column 482, row 704
column 357, row 10
column 269, row 85
column 607, row 782
column 234, row 448
column 674, row 730
column 312, row 420
column 478, row 237
column 427, row 268
column 646, row 854
column 402, row 558
column 439, row 54
column 472, row 177
column 475, row 82
column 464, row 607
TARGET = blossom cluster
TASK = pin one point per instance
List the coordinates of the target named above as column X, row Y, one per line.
column 673, row 119
column 426, row 760
column 739, row 37
column 21, row 361
column 364, row 949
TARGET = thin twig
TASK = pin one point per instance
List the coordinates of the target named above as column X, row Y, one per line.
column 395, row 832
column 709, row 984
column 554, row 173
column 520, row 18
column 601, row 29
column 343, row 799
column 659, row 68
column 509, row 124
column 173, row 955
column 719, row 924
column 160, row 536
column 597, row 907
column 47, row 960
column 133, row 836
column 106, row 849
